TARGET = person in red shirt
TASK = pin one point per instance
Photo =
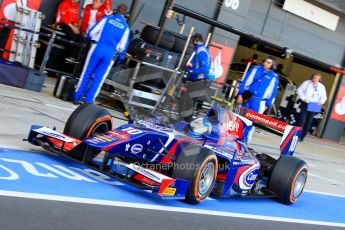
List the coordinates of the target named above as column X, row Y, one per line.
column 93, row 13
column 67, row 18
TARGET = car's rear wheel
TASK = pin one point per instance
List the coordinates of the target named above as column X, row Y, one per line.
column 288, row 179
column 199, row 167
column 85, row 121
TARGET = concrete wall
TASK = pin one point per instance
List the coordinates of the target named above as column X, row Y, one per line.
column 261, row 18
column 286, row 29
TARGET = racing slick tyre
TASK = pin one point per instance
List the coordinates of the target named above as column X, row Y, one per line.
column 87, row 120
column 180, row 42
column 288, row 179
column 150, row 35
column 199, row 167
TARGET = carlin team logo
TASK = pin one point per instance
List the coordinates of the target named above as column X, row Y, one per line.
column 136, row 148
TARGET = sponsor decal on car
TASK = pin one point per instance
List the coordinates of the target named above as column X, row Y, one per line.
column 169, row 191
column 95, row 140
column 154, row 126
column 219, row 151
column 105, row 138
column 149, row 175
column 239, row 155
column 116, row 134
column 52, row 133
column 248, row 177
column 265, row 120
column 136, row 148
column 127, row 147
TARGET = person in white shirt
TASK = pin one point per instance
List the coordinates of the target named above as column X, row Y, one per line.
column 313, row 95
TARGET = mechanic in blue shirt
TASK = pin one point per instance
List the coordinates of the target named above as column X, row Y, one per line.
column 111, row 36
column 261, row 83
column 199, row 68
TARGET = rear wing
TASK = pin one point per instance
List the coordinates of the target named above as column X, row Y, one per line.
column 290, row 134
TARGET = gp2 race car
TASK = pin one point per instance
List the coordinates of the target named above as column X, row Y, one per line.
column 181, row 161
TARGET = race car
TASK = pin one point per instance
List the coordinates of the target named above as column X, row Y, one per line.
column 182, row 160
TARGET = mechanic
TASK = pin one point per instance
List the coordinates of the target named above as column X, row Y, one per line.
column 93, row 13
column 313, row 95
column 67, row 18
column 199, row 68
column 111, row 37
column 258, row 89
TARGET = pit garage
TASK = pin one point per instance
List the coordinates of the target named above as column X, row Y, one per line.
column 51, row 191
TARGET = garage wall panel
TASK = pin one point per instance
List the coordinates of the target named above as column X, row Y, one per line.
column 286, row 29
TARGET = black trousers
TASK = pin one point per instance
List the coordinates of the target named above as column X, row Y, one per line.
column 4, row 34
column 73, row 50
column 306, row 119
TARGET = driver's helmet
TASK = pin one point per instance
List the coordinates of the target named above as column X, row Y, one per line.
column 201, row 125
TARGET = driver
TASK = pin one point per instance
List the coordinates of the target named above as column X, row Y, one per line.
column 200, row 126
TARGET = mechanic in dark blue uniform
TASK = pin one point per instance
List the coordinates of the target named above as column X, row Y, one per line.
column 199, row 68
column 111, row 35
column 262, row 83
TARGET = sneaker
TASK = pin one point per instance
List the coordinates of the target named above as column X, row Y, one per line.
column 71, row 60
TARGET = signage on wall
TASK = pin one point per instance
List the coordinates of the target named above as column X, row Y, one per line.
column 233, row 4
column 221, row 59
column 8, row 10
column 338, row 111
column 312, row 13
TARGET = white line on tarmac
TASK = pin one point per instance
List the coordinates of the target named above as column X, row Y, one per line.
column 311, row 165
column 324, row 193
column 59, row 107
column 327, row 147
column 341, row 170
column 162, row 208
column 324, row 178
column 12, row 147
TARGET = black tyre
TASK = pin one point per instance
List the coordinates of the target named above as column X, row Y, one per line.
column 288, row 179
column 199, row 167
column 150, row 35
column 87, row 120
column 180, row 42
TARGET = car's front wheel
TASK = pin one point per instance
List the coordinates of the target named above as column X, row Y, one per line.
column 85, row 121
column 200, row 168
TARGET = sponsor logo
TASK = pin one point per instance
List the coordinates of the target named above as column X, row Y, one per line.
column 149, row 175
column 136, row 148
column 127, row 147
column 219, row 151
column 55, row 135
column 105, row 138
column 117, row 24
column 248, row 177
column 169, row 191
column 115, row 134
column 232, row 126
column 52, row 133
column 262, row 119
column 156, row 127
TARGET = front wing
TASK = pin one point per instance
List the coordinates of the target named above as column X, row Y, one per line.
column 129, row 173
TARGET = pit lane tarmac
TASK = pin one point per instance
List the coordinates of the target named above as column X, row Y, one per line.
column 47, row 179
